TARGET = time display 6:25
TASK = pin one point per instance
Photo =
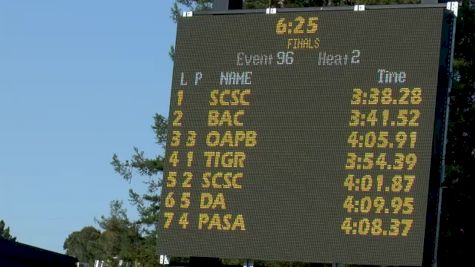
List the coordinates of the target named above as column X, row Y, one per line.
column 299, row 25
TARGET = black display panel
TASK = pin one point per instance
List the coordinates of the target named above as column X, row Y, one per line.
column 302, row 136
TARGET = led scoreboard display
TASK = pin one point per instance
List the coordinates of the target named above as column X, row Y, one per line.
column 305, row 135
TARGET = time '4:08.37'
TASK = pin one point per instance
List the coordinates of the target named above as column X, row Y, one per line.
column 377, row 227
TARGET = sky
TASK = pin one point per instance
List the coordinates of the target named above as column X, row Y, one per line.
column 79, row 81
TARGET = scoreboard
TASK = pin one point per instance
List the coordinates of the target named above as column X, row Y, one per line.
column 305, row 135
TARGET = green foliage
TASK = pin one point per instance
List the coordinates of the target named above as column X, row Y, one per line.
column 150, row 170
column 386, row 2
column 148, row 203
column 171, row 52
column 251, row 4
column 260, row 4
column 84, row 245
column 5, row 232
column 193, row 5
column 120, row 239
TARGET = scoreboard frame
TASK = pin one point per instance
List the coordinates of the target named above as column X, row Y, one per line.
column 444, row 83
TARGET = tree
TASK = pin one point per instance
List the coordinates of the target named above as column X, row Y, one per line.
column 195, row 5
column 5, row 232
column 148, row 203
column 120, row 239
column 252, row 4
column 84, row 245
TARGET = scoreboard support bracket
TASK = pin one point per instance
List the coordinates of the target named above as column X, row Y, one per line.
column 431, row 245
column 359, row 8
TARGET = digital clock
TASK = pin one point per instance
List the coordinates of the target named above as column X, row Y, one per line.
column 302, row 24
